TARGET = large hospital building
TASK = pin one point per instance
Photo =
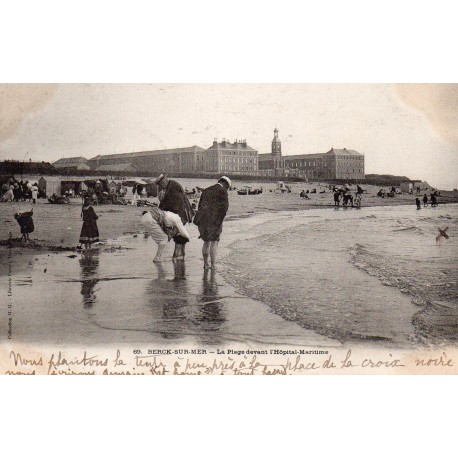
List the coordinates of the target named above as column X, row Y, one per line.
column 236, row 158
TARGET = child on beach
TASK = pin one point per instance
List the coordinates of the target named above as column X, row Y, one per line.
column 425, row 200
column 417, row 201
column 89, row 231
column 358, row 200
column 25, row 221
column 337, row 198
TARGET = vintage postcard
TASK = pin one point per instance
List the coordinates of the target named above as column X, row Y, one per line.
column 228, row 229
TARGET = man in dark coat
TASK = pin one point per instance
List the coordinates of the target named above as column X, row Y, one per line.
column 213, row 206
column 175, row 200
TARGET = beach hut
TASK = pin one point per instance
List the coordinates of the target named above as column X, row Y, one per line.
column 77, row 186
column 421, row 187
column 407, row 187
column 49, row 186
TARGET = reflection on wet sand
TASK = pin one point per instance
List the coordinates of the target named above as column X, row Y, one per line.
column 89, row 263
column 181, row 308
column 210, row 305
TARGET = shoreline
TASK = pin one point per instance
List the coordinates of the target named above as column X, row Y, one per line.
column 61, row 241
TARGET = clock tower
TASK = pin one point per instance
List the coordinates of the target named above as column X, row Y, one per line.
column 276, row 151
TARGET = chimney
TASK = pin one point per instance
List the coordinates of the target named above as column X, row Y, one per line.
column 215, row 141
column 224, row 142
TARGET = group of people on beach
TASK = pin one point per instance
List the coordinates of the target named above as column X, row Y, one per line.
column 167, row 221
column 19, row 191
column 433, row 200
column 347, row 199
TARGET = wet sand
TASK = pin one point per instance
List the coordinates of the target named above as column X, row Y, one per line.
column 121, row 296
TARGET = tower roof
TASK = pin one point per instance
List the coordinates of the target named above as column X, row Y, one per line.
column 276, row 139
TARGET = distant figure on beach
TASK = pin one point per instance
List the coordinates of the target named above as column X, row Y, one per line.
column 433, row 200
column 34, row 190
column 163, row 226
column 425, row 200
column 135, row 195
column 417, row 201
column 9, row 195
column 358, row 200
column 25, row 221
column 337, row 198
column 175, row 200
column 347, row 199
column 212, row 209
column 89, row 231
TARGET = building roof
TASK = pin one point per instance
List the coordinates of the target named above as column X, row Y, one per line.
column 116, row 167
column 266, row 157
column 69, row 161
column 49, row 179
column 235, row 145
column 344, row 152
column 188, row 149
column 298, row 157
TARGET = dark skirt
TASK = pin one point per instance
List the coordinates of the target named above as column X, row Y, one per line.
column 180, row 240
column 89, row 232
column 210, row 233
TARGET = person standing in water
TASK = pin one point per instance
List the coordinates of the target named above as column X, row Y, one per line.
column 162, row 226
column 417, row 201
column 212, row 209
column 176, row 201
column 425, row 200
column 89, row 231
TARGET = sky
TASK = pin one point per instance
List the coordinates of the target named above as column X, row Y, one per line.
column 405, row 129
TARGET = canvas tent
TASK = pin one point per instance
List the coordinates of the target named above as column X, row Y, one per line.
column 49, row 186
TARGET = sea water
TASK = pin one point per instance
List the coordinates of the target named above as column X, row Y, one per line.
column 375, row 274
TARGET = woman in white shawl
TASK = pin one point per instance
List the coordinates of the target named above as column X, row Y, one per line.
column 163, row 226
column 135, row 195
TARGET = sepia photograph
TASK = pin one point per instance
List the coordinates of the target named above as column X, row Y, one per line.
column 230, row 188
column 228, row 228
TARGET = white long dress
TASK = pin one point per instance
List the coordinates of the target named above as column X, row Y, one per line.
column 134, row 199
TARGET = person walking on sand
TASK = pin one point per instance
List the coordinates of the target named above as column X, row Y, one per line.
column 425, row 200
column 89, row 231
column 162, row 226
column 212, row 209
column 176, row 201
column 417, row 201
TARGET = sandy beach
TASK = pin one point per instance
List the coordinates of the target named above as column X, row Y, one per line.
column 116, row 294
column 58, row 226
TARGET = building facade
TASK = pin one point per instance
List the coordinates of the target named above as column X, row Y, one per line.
column 169, row 160
column 225, row 157
column 339, row 164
